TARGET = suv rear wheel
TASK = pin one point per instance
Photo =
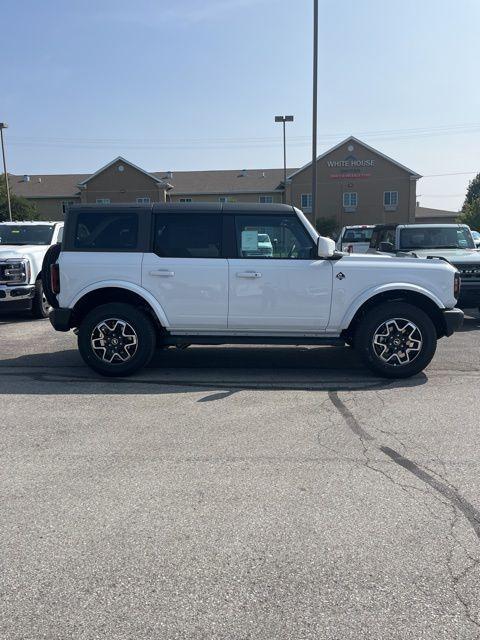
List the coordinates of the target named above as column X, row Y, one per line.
column 396, row 340
column 116, row 339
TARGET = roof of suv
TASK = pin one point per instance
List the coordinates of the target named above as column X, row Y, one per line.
column 220, row 207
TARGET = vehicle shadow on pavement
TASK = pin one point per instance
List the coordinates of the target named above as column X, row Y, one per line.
column 470, row 323
column 224, row 370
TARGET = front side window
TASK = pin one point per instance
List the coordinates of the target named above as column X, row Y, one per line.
column 188, row 235
column 22, row 234
column 350, row 199
column 266, row 199
column 306, row 201
column 390, row 198
column 272, row 236
column 102, row 201
column 143, row 200
column 106, row 230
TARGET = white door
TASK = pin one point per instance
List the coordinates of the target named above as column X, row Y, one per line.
column 277, row 284
column 186, row 272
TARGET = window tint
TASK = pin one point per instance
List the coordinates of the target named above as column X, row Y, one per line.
column 102, row 230
column 188, row 235
column 272, row 236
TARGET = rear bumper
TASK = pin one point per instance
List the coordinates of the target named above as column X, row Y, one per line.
column 453, row 320
column 60, row 319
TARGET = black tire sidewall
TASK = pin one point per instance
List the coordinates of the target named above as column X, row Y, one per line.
column 140, row 322
column 38, row 310
column 386, row 311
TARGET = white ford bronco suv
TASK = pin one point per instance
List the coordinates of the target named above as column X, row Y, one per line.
column 133, row 277
column 23, row 246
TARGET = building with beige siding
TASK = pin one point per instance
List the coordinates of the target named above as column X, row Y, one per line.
column 356, row 185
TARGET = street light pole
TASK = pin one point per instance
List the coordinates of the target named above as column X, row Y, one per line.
column 283, row 120
column 314, row 114
column 4, row 125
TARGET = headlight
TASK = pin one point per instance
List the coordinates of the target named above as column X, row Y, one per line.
column 15, row 271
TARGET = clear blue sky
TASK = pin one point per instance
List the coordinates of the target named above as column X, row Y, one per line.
column 194, row 84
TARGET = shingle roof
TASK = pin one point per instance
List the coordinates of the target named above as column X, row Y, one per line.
column 188, row 182
column 227, row 181
column 428, row 212
column 44, row 186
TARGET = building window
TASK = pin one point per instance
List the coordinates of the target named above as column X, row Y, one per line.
column 102, row 201
column 185, row 200
column 223, row 199
column 143, row 200
column 306, row 201
column 350, row 199
column 266, row 199
column 66, row 204
column 390, row 200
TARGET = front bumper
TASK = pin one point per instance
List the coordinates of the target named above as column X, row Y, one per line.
column 453, row 319
column 60, row 319
column 17, row 297
column 469, row 295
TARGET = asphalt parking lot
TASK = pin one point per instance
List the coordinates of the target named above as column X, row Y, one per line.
column 236, row 492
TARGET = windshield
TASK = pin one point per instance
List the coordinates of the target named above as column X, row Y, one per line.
column 357, row 235
column 436, row 238
column 26, row 234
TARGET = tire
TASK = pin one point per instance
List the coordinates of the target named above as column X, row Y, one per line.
column 396, row 340
column 130, row 327
column 40, row 305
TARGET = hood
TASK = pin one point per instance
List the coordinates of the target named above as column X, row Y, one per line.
column 452, row 255
column 8, row 251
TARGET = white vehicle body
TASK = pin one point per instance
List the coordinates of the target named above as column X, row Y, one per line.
column 312, row 296
column 20, row 262
column 355, row 238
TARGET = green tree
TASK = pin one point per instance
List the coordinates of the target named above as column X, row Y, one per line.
column 22, row 209
column 473, row 191
column 471, row 214
column 327, row 227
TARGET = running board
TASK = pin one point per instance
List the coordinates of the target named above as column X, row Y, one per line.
column 292, row 340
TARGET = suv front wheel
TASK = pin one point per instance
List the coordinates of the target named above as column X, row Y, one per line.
column 396, row 339
column 116, row 339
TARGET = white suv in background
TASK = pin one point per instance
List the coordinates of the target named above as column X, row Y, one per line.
column 23, row 246
column 355, row 238
column 129, row 278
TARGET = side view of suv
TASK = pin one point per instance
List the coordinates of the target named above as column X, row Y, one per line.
column 452, row 242
column 23, row 246
column 130, row 278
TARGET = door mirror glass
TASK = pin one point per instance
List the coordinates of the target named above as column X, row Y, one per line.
column 325, row 247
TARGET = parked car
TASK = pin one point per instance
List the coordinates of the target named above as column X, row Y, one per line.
column 452, row 242
column 476, row 238
column 355, row 238
column 262, row 246
column 22, row 248
column 129, row 278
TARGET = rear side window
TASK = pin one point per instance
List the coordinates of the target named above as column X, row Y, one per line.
column 188, row 235
column 109, row 231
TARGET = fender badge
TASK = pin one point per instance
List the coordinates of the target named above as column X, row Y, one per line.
column 340, row 276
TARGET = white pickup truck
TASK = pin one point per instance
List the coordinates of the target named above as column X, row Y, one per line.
column 23, row 246
column 130, row 278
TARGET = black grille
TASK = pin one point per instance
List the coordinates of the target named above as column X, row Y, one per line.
column 469, row 272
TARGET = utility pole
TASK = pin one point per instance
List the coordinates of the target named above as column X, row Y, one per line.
column 284, row 119
column 314, row 114
column 4, row 125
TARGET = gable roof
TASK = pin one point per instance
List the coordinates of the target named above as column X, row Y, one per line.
column 124, row 161
column 414, row 174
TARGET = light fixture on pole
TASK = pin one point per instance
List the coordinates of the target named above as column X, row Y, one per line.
column 4, row 125
column 314, row 114
column 284, row 119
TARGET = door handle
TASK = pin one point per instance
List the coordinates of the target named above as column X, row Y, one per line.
column 249, row 274
column 162, row 272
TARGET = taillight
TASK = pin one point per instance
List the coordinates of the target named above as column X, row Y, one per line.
column 55, row 278
column 456, row 285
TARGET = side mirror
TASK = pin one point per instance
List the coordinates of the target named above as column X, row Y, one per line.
column 386, row 247
column 326, row 247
